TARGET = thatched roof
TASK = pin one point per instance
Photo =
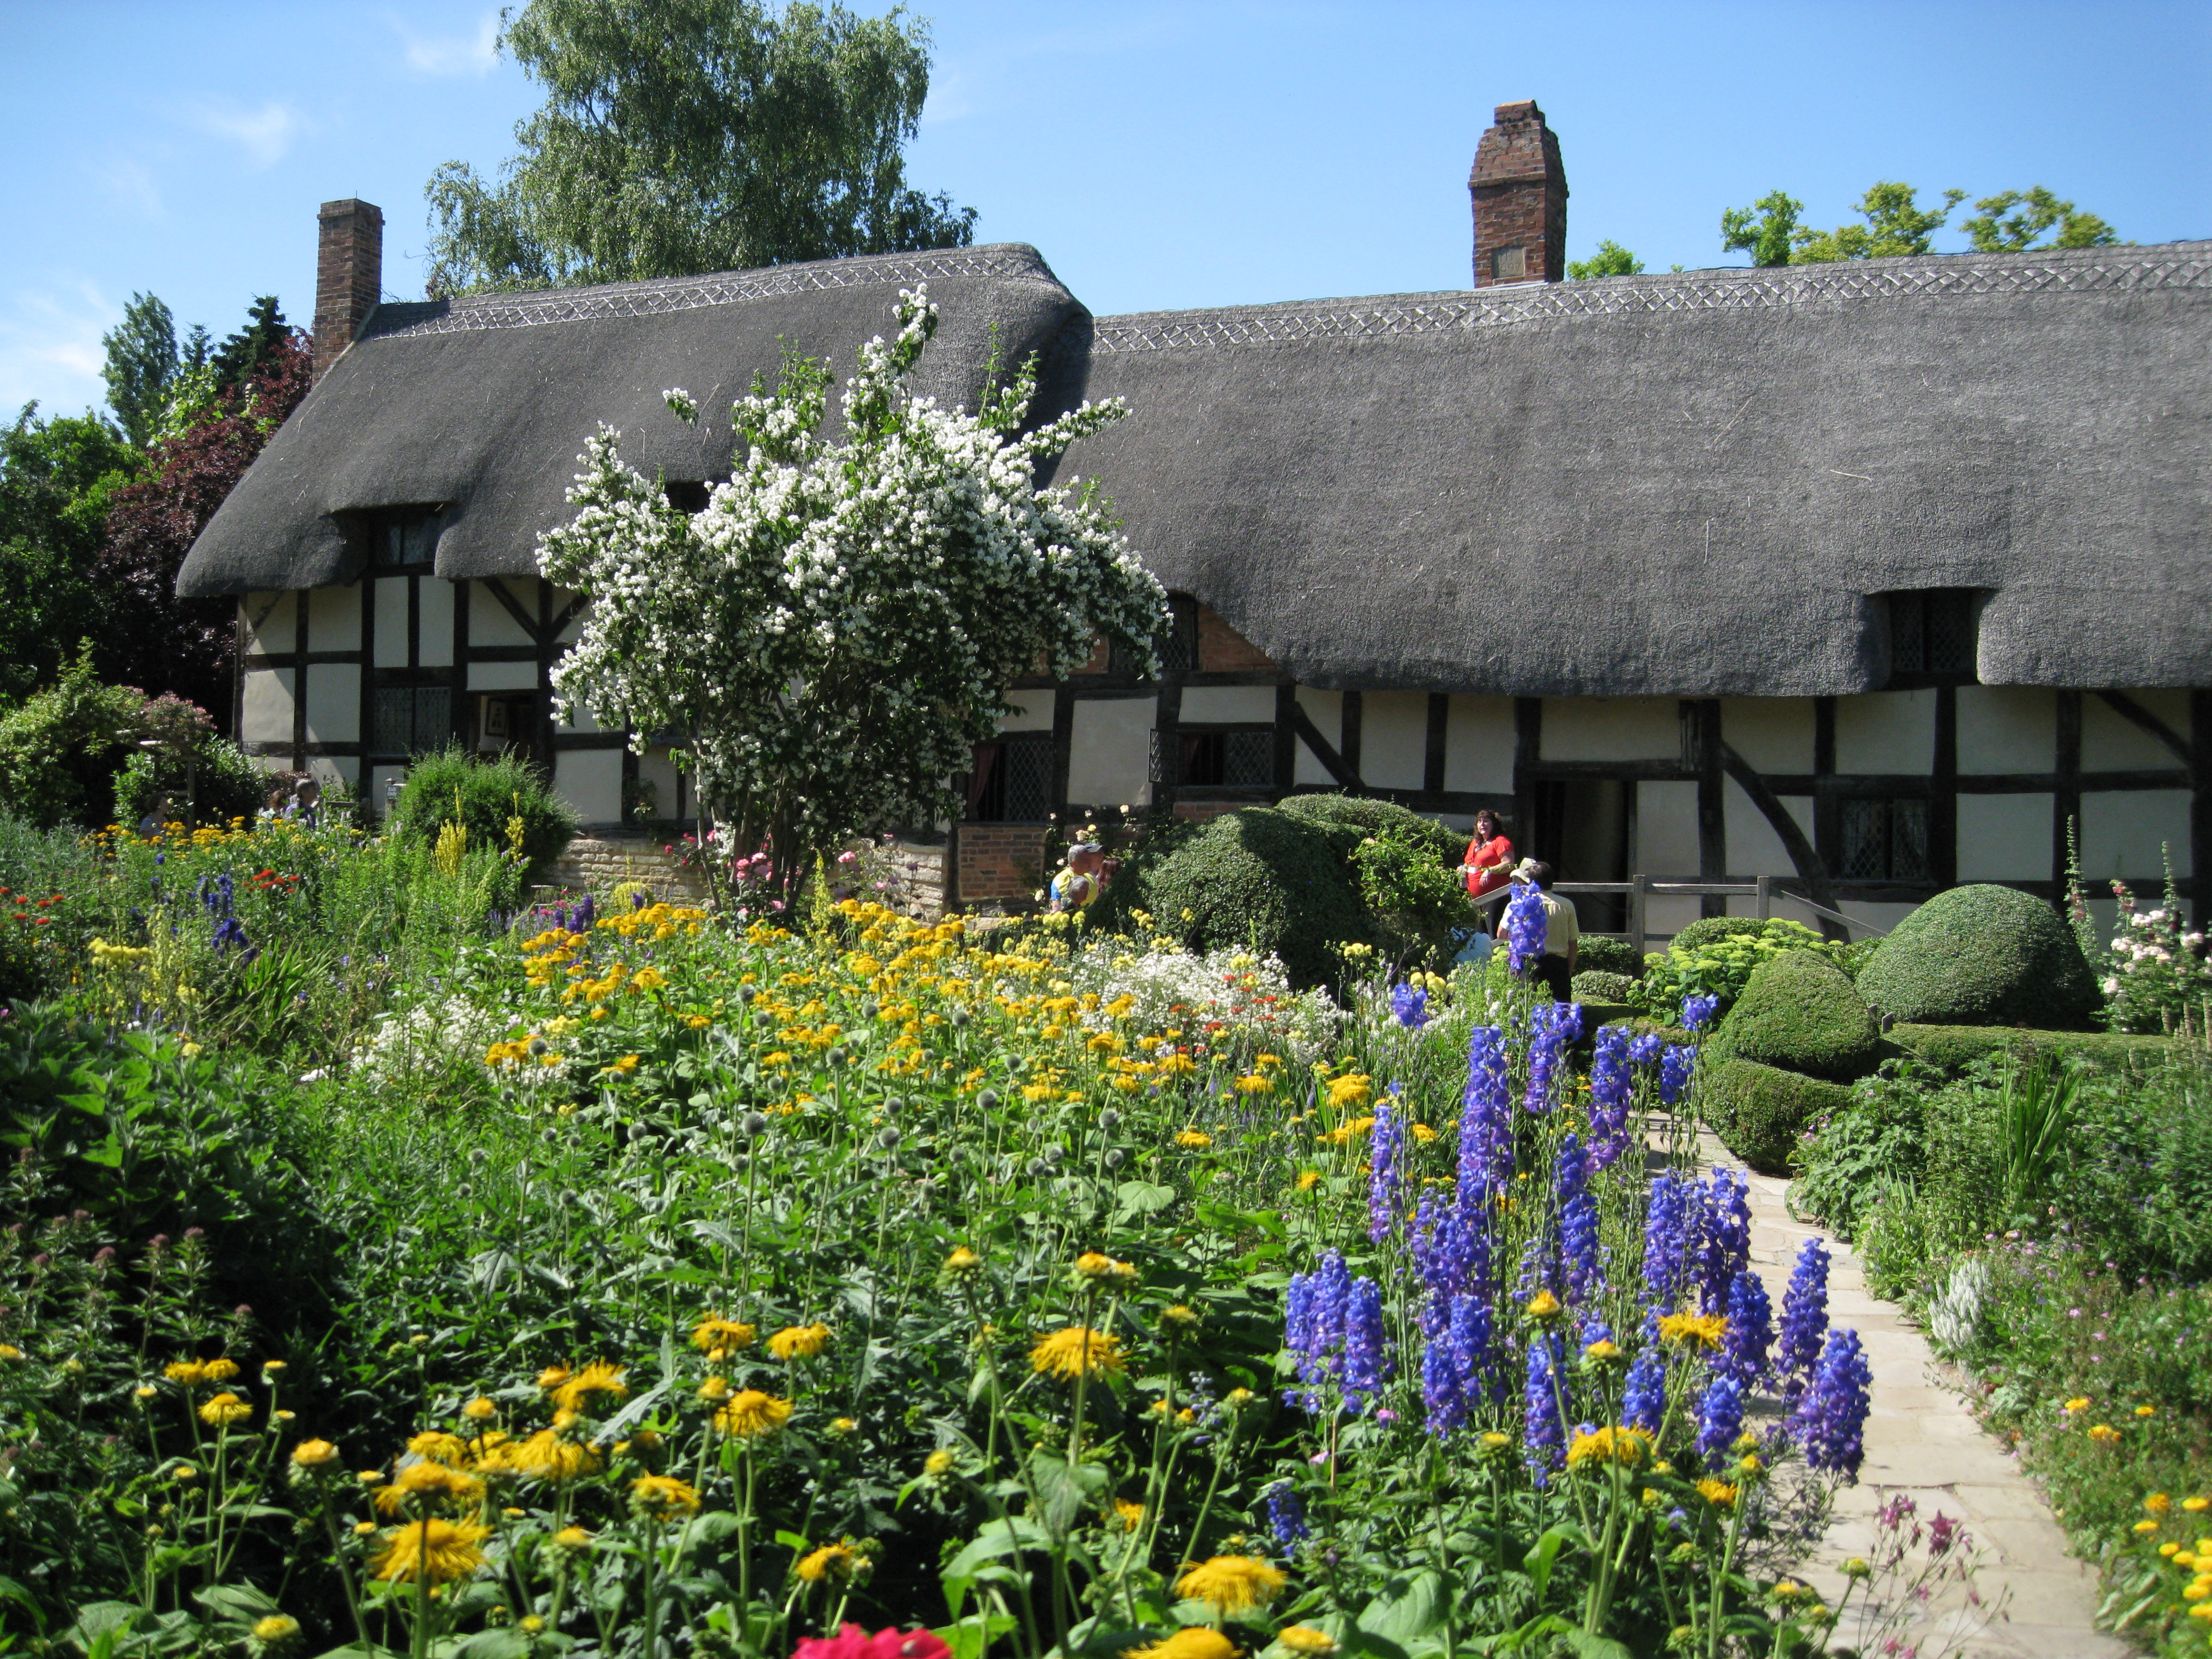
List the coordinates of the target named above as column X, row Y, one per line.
column 1668, row 484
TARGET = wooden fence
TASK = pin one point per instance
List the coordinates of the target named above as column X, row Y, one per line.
column 1640, row 889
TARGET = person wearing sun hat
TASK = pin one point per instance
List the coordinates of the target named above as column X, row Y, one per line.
column 1563, row 930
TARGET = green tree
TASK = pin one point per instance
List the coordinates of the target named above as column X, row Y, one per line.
column 142, row 362
column 2010, row 220
column 244, row 354
column 1896, row 224
column 1763, row 230
column 1611, row 259
column 56, row 480
column 679, row 137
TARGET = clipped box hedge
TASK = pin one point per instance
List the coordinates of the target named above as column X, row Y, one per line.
column 1953, row 1048
column 1801, row 1011
column 1982, row 956
column 1760, row 1112
column 1596, row 985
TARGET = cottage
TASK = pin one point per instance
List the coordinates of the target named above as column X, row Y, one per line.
column 1871, row 576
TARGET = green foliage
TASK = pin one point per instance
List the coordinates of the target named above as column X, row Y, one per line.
column 225, row 782
column 1371, row 817
column 1716, row 956
column 1760, row 1112
column 482, row 795
column 1595, row 985
column 1611, row 259
column 1764, row 230
column 245, row 355
column 1896, row 224
column 142, row 361
column 1981, row 956
column 1799, row 1012
column 680, row 136
column 1599, row 955
column 56, row 479
column 2010, row 220
column 59, row 752
column 1951, row 1048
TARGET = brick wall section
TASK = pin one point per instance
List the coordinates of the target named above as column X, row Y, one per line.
column 348, row 274
column 597, row 865
column 1223, row 650
column 1519, row 191
column 1200, row 811
column 1001, row 863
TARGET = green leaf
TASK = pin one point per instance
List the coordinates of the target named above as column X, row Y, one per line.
column 1408, row 1607
column 996, row 1538
column 1539, row 1560
column 1136, row 1198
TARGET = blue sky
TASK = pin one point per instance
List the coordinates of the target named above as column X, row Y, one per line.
column 1162, row 155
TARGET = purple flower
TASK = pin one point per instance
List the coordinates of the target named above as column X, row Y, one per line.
column 1644, row 1398
column 1454, row 1362
column 1486, row 1126
column 1668, row 1221
column 1675, row 1069
column 1525, row 926
column 1366, row 1364
column 1726, row 1246
column 1831, row 1419
column 1315, row 1314
column 1287, row 1515
column 1720, row 1416
column 1409, row 1007
column 1387, row 1145
column 1544, row 1433
column 1696, row 1011
column 1551, row 1027
column 1451, row 1255
column 1804, row 1319
column 1750, row 1329
column 1578, row 1222
column 1645, row 1049
column 1610, row 1087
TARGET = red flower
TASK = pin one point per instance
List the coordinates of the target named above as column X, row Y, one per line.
column 851, row 1641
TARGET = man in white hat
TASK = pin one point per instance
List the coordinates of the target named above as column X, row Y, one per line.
column 1563, row 930
column 1083, row 879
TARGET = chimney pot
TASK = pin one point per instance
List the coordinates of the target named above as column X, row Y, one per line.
column 349, row 275
column 1519, row 189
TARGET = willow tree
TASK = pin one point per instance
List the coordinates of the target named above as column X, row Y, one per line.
column 836, row 629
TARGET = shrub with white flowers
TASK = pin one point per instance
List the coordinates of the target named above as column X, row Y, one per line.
column 836, row 630
column 2157, row 976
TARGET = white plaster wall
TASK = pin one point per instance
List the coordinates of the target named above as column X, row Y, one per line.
column 574, row 630
column 436, row 635
column 1479, row 745
column 584, row 720
column 1773, row 734
column 391, row 603
column 268, row 714
column 2111, row 743
column 1326, row 710
column 488, row 621
column 2121, row 833
column 325, row 768
column 1611, row 728
column 653, row 767
column 1207, row 704
column 1885, row 732
column 502, row 676
column 334, row 702
column 1032, row 712
column 2004, row 837
column 1110, row 752
column 1666, row 845
column 270, row 622
column 1754, row 848
column 1394, row 738
column 590, row 780
column 334, row 618
column 2007, row 728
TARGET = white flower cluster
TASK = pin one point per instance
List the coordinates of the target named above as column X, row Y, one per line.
column 1231, row 1001
column 2155, row 971
column 429, row 1038
column 836, row 629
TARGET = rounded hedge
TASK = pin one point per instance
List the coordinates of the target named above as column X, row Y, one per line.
column 1801, row 1011
column 1374, row 817
column 483, row 793
column 1982, row 956
column 1596, row 985
column 1600, row 954
column 1761, row 1112
column 1262, row 878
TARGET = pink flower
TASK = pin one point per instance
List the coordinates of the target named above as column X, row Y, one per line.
column 851, row 1642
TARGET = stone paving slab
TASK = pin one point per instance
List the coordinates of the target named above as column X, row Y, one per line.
column 1921, row 1441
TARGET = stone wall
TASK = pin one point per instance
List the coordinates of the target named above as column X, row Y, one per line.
column 598, row 864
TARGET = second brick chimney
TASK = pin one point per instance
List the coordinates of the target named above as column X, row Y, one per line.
column 1519, row 191
column 349, row 275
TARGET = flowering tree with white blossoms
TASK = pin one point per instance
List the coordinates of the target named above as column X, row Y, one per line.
column 836, row 630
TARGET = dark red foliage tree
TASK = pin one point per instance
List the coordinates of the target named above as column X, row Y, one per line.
column 156, row 640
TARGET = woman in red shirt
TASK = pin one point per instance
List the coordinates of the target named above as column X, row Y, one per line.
column 1489, row 859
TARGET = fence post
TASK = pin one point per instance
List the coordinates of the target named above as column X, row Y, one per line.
column 1639, row 888
column 1766, row 897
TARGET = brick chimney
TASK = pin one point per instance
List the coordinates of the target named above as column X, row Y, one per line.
column 1520, row 192
column 349, row 275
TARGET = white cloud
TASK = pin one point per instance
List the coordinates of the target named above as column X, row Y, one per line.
column 50, row 348
column 132, row 180
column 451, row 54
column 265, row 133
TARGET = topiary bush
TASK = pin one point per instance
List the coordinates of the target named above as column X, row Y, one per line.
column 1594, row 985
column 1982, row 956
column 1952, row 1049
column 1718, row 955
column 1600, row 955
column 1801, row 1012
column 1374, row 817
column 483, row 796
column 1760, row 1112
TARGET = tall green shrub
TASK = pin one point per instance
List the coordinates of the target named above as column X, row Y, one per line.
column 482, row 795
column 1982, row 956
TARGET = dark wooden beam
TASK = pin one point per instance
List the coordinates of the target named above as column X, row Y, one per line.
column 298, row 682
column 1712, row 819
column 1812, row 870
column 2066, row 797
column 1943, row 790
column 1355, row 719
column 2140, row 717
column 1432, row 755
column 1324, row 751
column 1286, row 737
column 1528, row 748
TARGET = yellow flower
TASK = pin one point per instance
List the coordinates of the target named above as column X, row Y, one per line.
column 1423, row 1134
column 313, row 1453
column 799, row 1341
column 224, row 1409
column 573, row 1538
column 1718, row 1493
column 1077, row 1351
column 597, row 1378
column 219, row 1370
column 275, row 1627
column 1305, row 1640
column 429, row 1482
column 1307, row 1179
column 1094, row 1265
column 2196, row 1590
column 2080, row 1402
column 2158, row 1503
column 479, row 1410
column 939, row 1461
column 664, row 1497
column 1193, row 1140
column 750, row 1415
column 963, row 1261
column 1705, row 1329
column 546, row 1456
column 1625, row 1446
column 1254, row 1083
column 2196, row 1505
column 1130, row 1516
column 1181, row 1314
column 1191, row 1642
column 2146, row 1410
column 1232, row 1585
column 552, row 1377
column 435, row 1551
column 1356, row 1090
column 186, row 1371
column 840, row 1560
column 715, row 1332
column 627, row 1063
column 2145, row 1526
column 441, row 1448
column 1542, row 1306
column 2104, row 1434
column 714, row 1390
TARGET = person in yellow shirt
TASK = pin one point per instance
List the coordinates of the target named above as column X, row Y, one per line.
column 1082, row 879
column 1563, row 931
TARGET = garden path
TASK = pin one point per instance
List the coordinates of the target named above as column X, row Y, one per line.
column 1922, row 1441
